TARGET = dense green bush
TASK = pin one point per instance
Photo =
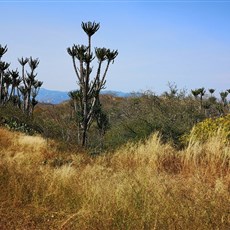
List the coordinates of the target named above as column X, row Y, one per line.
column 139, row 116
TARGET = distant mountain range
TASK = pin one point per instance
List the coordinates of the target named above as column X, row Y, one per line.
column 56, row 97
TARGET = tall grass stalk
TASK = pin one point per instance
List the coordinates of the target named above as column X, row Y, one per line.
column 147, row 185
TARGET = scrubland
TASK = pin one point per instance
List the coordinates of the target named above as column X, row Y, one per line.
column 146, row 185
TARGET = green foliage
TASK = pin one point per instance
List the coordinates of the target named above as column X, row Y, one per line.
column 57, row 122
column 210, row 127
column 138, row 117
column 14, row 119
column 13, row 124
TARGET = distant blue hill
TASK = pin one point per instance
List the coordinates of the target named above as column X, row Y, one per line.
column 52, row 96
column 56, row 97
column 116, row 93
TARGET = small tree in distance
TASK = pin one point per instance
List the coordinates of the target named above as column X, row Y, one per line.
column 211, row 91
column 31, row 86
column 87, row 97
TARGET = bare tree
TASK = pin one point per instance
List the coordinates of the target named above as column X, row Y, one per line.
column 196, row 93
column 223, row 96
column 89, row 89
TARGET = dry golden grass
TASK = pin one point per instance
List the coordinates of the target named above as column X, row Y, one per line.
column 140, row 186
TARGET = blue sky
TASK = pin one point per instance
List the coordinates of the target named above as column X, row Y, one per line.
column 186, row 42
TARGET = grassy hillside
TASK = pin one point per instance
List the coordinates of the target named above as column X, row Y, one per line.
column 147, row 185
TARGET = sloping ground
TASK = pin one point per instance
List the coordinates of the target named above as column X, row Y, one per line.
column 140, row 186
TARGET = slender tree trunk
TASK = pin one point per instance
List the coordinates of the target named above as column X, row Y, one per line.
column 84, row 136
column 201, row 103
column 28, row 101
column 79, row 134
column 85, row 98
column 1, row 87
column 85, row 115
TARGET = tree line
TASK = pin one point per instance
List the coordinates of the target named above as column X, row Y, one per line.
column 19, row 89
column 210, row 105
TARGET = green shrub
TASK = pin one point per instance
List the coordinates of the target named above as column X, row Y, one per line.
column 208, row 128
column 14, row 119
column 136, row 118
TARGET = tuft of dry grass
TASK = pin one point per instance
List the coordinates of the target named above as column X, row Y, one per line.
column 147, row 185
column 6, row 139
column 212, row 155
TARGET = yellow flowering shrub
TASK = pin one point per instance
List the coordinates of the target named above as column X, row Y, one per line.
column 210, row 127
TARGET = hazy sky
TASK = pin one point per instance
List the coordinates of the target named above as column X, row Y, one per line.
column 186, row 42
